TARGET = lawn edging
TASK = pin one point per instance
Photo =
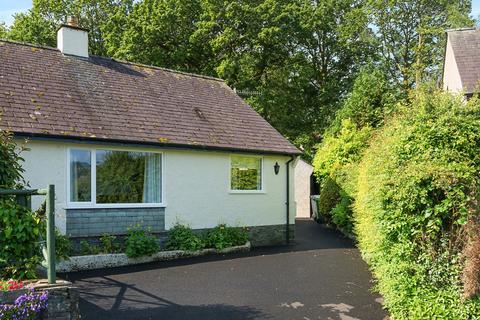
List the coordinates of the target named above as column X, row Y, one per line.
column 100, row 261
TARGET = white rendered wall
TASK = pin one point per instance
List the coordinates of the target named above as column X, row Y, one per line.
column 45, row 164
column 303, row 171
column 196, row 186
column 451, row 76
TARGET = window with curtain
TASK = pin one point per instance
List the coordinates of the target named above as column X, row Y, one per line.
column 124, row 177
column 246, row 173
column 80, row 176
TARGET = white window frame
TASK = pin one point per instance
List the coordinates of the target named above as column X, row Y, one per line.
column 93, row 185
column 262, row 175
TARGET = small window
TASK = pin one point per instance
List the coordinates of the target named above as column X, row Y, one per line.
column 246, row 173
column 80, row 176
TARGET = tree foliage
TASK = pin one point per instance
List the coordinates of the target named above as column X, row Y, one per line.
column 299, row 58
column 411, row 36
column 370, row 101
column 293, row 61
column 105, row 20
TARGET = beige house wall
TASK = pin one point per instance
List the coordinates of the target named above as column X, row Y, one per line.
column 303, row 171
column 451, row 77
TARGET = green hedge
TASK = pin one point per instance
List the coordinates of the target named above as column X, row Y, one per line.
column 417, row 187
column 335, row 165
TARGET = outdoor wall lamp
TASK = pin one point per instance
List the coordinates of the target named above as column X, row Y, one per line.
column 276, row 167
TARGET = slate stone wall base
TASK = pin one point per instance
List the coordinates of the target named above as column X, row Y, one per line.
column 116, row 221
column 162, row 238
column 271, row 235
column 259, row 236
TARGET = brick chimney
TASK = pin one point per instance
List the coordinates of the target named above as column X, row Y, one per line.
column 72, row 39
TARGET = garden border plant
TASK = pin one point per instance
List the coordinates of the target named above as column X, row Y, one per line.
column 142, row 247
column 20, row 228
column 28, row 305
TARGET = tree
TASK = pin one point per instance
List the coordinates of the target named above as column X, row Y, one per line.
column 3, row 30
column 294, row 61
column 411, row 35
column 371, row 99
column 160, row 32
column 103, row 18
column 298, row 57
column 32, row 27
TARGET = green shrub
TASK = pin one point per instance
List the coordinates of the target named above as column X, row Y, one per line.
column 63, row 246
column 19, row 228
column 88, row 249
column 10, row 162
column 222, row 237
column 342, row 214
column 19, row 237
column 84, row 247
column 109, row 244
column 329, row 198
column 417, row 186
column 336, row 166
column 336, row 160
column 337, row 151
column 181, row 237
column 140, row 243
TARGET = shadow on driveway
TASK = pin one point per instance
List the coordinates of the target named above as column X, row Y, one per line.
column 320, row 276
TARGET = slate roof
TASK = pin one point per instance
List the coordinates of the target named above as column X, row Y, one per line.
column 47, row 94
column 466, row 48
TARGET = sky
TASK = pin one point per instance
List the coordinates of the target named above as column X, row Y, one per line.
column 9, row 7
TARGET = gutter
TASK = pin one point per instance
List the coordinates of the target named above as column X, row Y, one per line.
column 133, row 143
column 287, row 224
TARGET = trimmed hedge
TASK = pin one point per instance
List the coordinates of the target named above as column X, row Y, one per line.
column 417, row 192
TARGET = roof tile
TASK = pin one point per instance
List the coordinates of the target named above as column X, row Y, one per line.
column 45, row 92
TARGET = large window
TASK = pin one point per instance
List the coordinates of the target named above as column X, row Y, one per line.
column 108, row 177
column 246, row 173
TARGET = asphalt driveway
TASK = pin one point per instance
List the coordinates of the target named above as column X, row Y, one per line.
column 321, row 276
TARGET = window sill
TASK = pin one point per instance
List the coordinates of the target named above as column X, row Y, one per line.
column 115, row 206
column 247, row 192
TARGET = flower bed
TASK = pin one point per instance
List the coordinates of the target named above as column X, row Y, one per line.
column 26, row 306
column 20, row 301
column 36, row 299
column 99, row 261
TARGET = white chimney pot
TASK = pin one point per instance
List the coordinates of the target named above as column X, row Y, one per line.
column 72, row 40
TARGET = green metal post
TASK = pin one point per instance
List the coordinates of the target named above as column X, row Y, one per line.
column 51, row 234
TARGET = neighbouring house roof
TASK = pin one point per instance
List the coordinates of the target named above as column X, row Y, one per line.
column 47, row 94
column 465, row 45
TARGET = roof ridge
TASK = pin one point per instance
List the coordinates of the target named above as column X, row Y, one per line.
column 462, row 29
column 118, row 60
column 160, row 68
column 28, row 44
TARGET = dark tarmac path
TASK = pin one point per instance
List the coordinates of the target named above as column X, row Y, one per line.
column 321, row 276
